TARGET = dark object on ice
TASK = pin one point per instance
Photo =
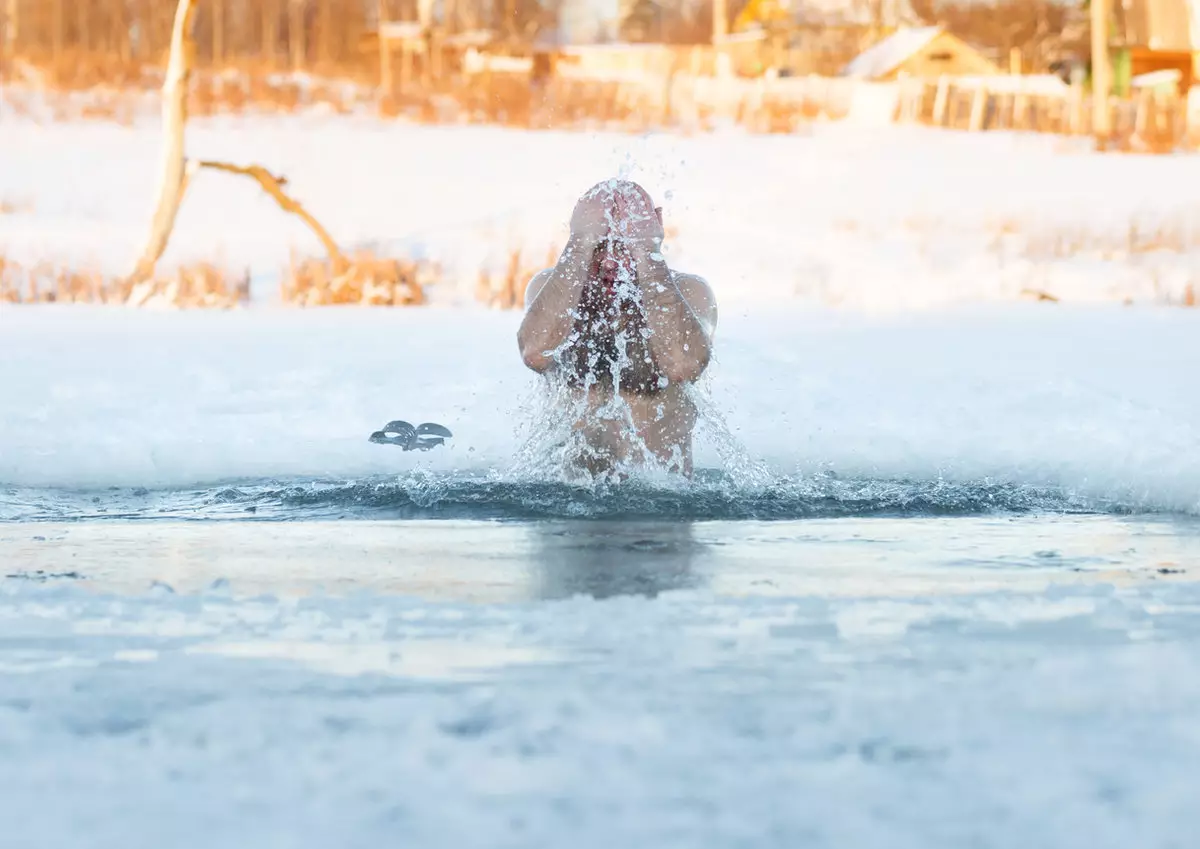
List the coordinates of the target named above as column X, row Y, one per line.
column 419, row 438
column 41, row 577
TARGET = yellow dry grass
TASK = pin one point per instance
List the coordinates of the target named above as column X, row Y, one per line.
column 9, row 206
column 196, row 286
column 1176, row 235
column 365, row 280
column 506, row 291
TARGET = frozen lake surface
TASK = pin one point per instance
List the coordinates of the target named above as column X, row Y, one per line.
column 934, row 587
column 994, row 679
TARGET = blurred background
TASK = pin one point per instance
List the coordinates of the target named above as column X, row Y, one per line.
column 825, row 111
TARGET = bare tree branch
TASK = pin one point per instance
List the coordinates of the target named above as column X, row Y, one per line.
column 273, row 185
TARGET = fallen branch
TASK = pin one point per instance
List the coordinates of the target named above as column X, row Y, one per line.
column 176, row 170
column 273, row 185
column 1039, row 295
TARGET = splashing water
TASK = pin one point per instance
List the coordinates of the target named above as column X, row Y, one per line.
column 556, row 417
column 742, row 472
column 607, row 350
column 628, row 167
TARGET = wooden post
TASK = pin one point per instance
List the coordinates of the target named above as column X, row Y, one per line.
column 12, row 28
column 720, row 28
column 939, row 101
column 1014, row 61
column 386, row 83
column 296, row 39
column 434, row 59
column 1179, row 120
column 120, row 41
column 325, row 34
column 79, row 41
column 406, row 63
column 218, row 34
column 1020, row 110
column 1076, row 107
column 1141, row 118
column 134, row 30
column 270, row 31
column 1101, row 73
column 904, row 107
column 428, row 39
column 59, row 32
column 977, row 103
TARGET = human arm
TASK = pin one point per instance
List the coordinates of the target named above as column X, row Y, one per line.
column 551, row 298
column 681, row 314
column 554, row 294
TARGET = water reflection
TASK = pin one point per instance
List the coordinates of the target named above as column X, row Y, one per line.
column 605, row 559
column 505, row 562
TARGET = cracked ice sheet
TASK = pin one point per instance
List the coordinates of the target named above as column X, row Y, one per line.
column 1057, row 718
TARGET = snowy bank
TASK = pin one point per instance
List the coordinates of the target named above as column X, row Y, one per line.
column 877, row 217
column 1101, row 400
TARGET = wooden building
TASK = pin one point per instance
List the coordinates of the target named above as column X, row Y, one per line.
column 928, row 52
column 802, row 37
column 1156, row 35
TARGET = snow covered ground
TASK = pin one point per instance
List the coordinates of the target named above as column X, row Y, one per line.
column 1099, row 400
column 872, row 217
column 1024, row 674
column 990, row 680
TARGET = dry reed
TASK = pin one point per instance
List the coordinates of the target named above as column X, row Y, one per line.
column 365, row 280
column 506, row 291
column 196, row 286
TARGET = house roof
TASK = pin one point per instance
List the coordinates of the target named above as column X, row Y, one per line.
column 881, row 59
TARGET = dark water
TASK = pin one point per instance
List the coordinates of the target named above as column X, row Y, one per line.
column 713, row 496
column 446, row 535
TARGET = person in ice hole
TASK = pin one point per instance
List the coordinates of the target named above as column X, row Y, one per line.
column 613, row 322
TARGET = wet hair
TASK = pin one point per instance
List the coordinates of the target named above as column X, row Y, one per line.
column 614, row 189
column 615, row 186
column 604, row 314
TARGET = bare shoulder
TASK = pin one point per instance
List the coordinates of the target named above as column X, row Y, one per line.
column 699, row 296
column 537, row 284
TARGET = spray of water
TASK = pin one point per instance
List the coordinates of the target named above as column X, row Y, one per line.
column 742, row 471
column 558, row 413
column 600, row 350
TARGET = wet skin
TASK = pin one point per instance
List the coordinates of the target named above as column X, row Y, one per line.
column 623, row 333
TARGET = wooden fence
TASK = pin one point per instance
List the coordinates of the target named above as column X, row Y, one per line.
column 638, row 103
column 85, row 42
column 1153, row 119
